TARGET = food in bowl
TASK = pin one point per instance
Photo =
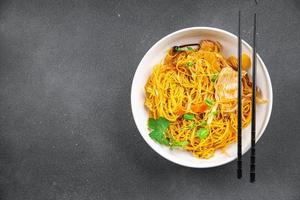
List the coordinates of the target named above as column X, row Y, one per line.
column 191, row 97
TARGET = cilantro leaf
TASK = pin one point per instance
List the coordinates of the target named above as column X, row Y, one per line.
column 160, row 124
column 202, row 133
column 156, row 135
column 159, row 137
column 158, row 127
column 152, row 123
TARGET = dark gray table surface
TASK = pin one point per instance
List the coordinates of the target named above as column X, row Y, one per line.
column 66, row 128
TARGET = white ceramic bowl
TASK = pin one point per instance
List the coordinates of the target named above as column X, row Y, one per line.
column 156, row 53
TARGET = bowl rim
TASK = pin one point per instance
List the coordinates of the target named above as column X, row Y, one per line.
column 264, row 68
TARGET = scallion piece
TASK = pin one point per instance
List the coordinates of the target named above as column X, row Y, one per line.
column 189, row 64
column 178, row 49
column 188, row 116
column 202, row 133
column 214, row 77
column 208, row 102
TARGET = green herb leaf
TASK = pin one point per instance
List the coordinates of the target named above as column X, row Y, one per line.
column 208, row 102
column 189, row 64
column 188, row 116
column 214, row 77
column 160, row 124
column 152, row 123
column 163, row 124
column 159, row 137
column 202, row 133
column 190, row 48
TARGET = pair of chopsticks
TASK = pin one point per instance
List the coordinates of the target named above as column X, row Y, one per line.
column 253, row 101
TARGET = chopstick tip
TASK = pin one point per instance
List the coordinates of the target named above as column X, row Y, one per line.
column 252, row 177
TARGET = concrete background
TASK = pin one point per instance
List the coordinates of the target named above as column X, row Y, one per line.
column 66, row 129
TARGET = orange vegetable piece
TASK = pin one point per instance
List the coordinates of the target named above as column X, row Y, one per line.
column 180, row 111
column 246, row 61
column 199, row 108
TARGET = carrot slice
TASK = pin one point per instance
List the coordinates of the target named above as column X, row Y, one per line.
column 199, row 108
column 180, row 111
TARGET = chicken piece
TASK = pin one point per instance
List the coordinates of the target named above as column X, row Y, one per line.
column 226, row 85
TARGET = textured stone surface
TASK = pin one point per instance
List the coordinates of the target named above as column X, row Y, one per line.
column 66, row 129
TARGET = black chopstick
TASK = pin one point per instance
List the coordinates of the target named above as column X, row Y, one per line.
column 253, row 113
column 239, row 125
